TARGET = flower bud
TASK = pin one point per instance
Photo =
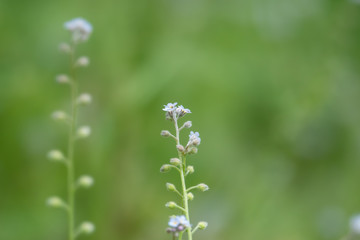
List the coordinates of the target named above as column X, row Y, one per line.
column 190, row 169
column 170, row 205
column 84, row 132
column 187, row 124
column 87, row 228
column 203, row 187
column 56, row 156
column 193, row 150
column 65, row 48
column 84, row 99
column 55, row 202
column 83, row 62
column 165, row 168
column 180, row 148
column 59, row 115
column 62, row 78
column 170, row 187
column 165, row 133
column 190, row 196
column 196, row 142
column 202, row 225
column 175, row 161
column 85, row 181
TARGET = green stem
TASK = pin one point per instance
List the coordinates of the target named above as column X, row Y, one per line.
column 71, row 149
column 183, row 184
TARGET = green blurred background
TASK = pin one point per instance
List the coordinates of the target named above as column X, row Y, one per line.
column 274, row 90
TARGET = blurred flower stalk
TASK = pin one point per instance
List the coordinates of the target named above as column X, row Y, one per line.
column 80, row 31
column 181, row 223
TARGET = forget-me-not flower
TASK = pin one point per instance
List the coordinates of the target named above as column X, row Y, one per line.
column 80, row 28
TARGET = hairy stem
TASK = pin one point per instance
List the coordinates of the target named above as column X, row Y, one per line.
column 183, row 184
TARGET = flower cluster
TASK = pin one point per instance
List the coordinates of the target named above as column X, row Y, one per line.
column 177, row 224
column 180, row 224
column 173, row 112
column 80, row 30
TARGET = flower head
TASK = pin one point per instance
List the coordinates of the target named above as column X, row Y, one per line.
column 80, row 29
column 85, row 181
column 83, row 61
column 181, row 111
column 84, row 132
column 62, row 78
column 172, row 111
column 173, row 222
column 179, row 221
column 169, row 107
column 59, row 115
column 84, row 99
column 87, row 227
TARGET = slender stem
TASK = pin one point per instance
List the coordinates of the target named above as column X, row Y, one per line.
column 195, row 229
column 183, row 184
column 71, row 149
column 191, row 188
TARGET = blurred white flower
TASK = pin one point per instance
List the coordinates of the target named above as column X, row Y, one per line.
column 55, row 202
column 84, row 99
column 55, row 155
column 355, row 224
column 80, row 29
column 59, row 115
column 84, row 131
column 87, row 227
column 62, row 78
column 86, row 181
column 83, row 61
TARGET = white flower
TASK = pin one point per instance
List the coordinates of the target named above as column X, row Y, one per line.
column 83, row 61
column 80, row 28
column 62, row 78
column 181, row 111
column 59, row 115
column 85, row 181
column 87, row 227
column 84, row 99
column 176, row 221
column 183, row 221
column 56, row 155
column 194, row 138
column 173, row 222
column 355, row 224
column 169, row 107
column 84, row 131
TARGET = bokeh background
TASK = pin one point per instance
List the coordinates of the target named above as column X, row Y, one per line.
column 274, row 88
